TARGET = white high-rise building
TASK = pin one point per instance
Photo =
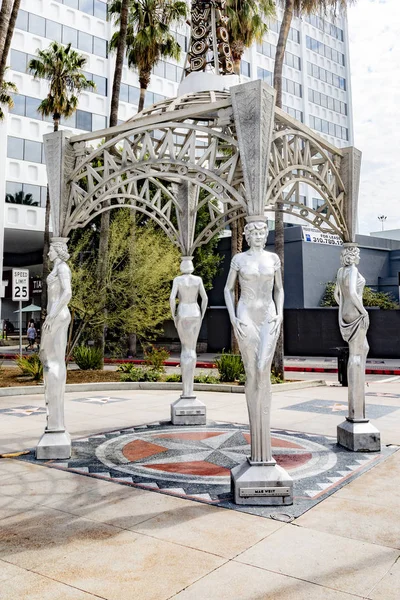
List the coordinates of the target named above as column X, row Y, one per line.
column 316, row 85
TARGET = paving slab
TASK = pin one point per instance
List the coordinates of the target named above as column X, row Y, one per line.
column 329, row 560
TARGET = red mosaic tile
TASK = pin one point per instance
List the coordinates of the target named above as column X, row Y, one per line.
column 198, row 467
column 138, row 449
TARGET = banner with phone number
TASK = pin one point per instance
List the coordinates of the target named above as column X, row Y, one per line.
column 312, row 234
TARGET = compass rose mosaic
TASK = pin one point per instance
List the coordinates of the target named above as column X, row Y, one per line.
column 195, row 462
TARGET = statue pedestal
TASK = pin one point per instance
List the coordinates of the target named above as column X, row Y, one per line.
column 188, row 411
column 264, row 484
column 358, row 436
column 54, row 445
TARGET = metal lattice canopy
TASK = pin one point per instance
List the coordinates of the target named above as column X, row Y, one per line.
column 245, row 155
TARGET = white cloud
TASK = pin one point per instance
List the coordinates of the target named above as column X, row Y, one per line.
column 374, row 30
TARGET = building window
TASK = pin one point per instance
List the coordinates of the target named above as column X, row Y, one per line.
column 324, row 50
column 24, row 193
column 327, row 101
column 290, row 59
column 168, row 71
column 37, row 25
column 53, row 30
column 292, row 87
column 83, row 120
column 294, row 34
column 318, row 203
column 245, row 68
column 97, row 8
column 293, row 112
column 329, row 128
column 25, row 150
column 67, row 35
column 27, row 107
column 15, row 148
column 325, row 26
column 326, row 76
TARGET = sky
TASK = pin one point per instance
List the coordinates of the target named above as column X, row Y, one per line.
column 374, row 31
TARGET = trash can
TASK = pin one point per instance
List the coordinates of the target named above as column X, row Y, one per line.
column 343, row 361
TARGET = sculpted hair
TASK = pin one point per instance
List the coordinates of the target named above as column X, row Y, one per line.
column 255, row 225
column 349, row 255
column 61, row 250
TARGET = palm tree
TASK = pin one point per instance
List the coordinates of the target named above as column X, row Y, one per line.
column 5, row 15
column 291, row 7
column 62, row 67
column 121, row 8
column 247, row 24
column 8, row 38
column 148, row 35
column 6, row 88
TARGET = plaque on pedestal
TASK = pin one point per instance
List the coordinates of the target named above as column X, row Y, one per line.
column 265, row 484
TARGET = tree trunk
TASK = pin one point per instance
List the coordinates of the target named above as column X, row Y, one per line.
column 119, row 63
column 5, row 15
column 144, row 80
column 99, row 334
column 237, row 49
column 278, row 362
column 10, row 33
column 280, row 50
column 46, row 243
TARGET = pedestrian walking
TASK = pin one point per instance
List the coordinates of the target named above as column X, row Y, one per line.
column 31, row 335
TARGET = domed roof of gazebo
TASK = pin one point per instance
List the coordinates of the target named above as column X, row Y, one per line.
column 190, row 100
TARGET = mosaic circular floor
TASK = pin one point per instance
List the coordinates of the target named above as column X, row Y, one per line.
column 205, row 455
column 195, row 462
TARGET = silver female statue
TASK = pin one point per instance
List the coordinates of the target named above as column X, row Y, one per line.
column 353, row 323
column 188, row 318
column 256, row 323
column 53, row 343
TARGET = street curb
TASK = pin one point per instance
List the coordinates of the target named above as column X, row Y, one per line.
column 159, row 385
column 333, row 370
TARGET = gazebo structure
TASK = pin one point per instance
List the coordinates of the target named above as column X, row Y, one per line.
column 230, row 141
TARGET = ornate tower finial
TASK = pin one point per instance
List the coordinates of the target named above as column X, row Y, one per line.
column 209, row 42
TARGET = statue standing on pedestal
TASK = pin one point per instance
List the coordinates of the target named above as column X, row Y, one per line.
column 256, row 323
column 353, row 323
column 52, row 351
column 356, row 433
column 188, row 318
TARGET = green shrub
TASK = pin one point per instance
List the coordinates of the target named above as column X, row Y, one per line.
column 204, row 378
column 128, row 372
column 88, row 358
column 371, row 298
column 31, row 365
column 155, row 357
column 174, row 378
column 230, row 367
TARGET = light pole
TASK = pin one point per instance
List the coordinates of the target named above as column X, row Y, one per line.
column 382, row 219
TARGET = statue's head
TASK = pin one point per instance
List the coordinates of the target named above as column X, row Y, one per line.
column 350, row 255
column 58, row 249
column 256, row 233
column 187, row 265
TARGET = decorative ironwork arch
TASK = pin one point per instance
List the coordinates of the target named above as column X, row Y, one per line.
column 297, row 157
column 248, row 156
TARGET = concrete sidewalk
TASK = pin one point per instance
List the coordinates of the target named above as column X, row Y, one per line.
column 64, row 536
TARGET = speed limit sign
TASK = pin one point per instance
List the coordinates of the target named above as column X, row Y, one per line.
column 20, row 284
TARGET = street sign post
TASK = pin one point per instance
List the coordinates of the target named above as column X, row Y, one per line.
column 20, row 292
